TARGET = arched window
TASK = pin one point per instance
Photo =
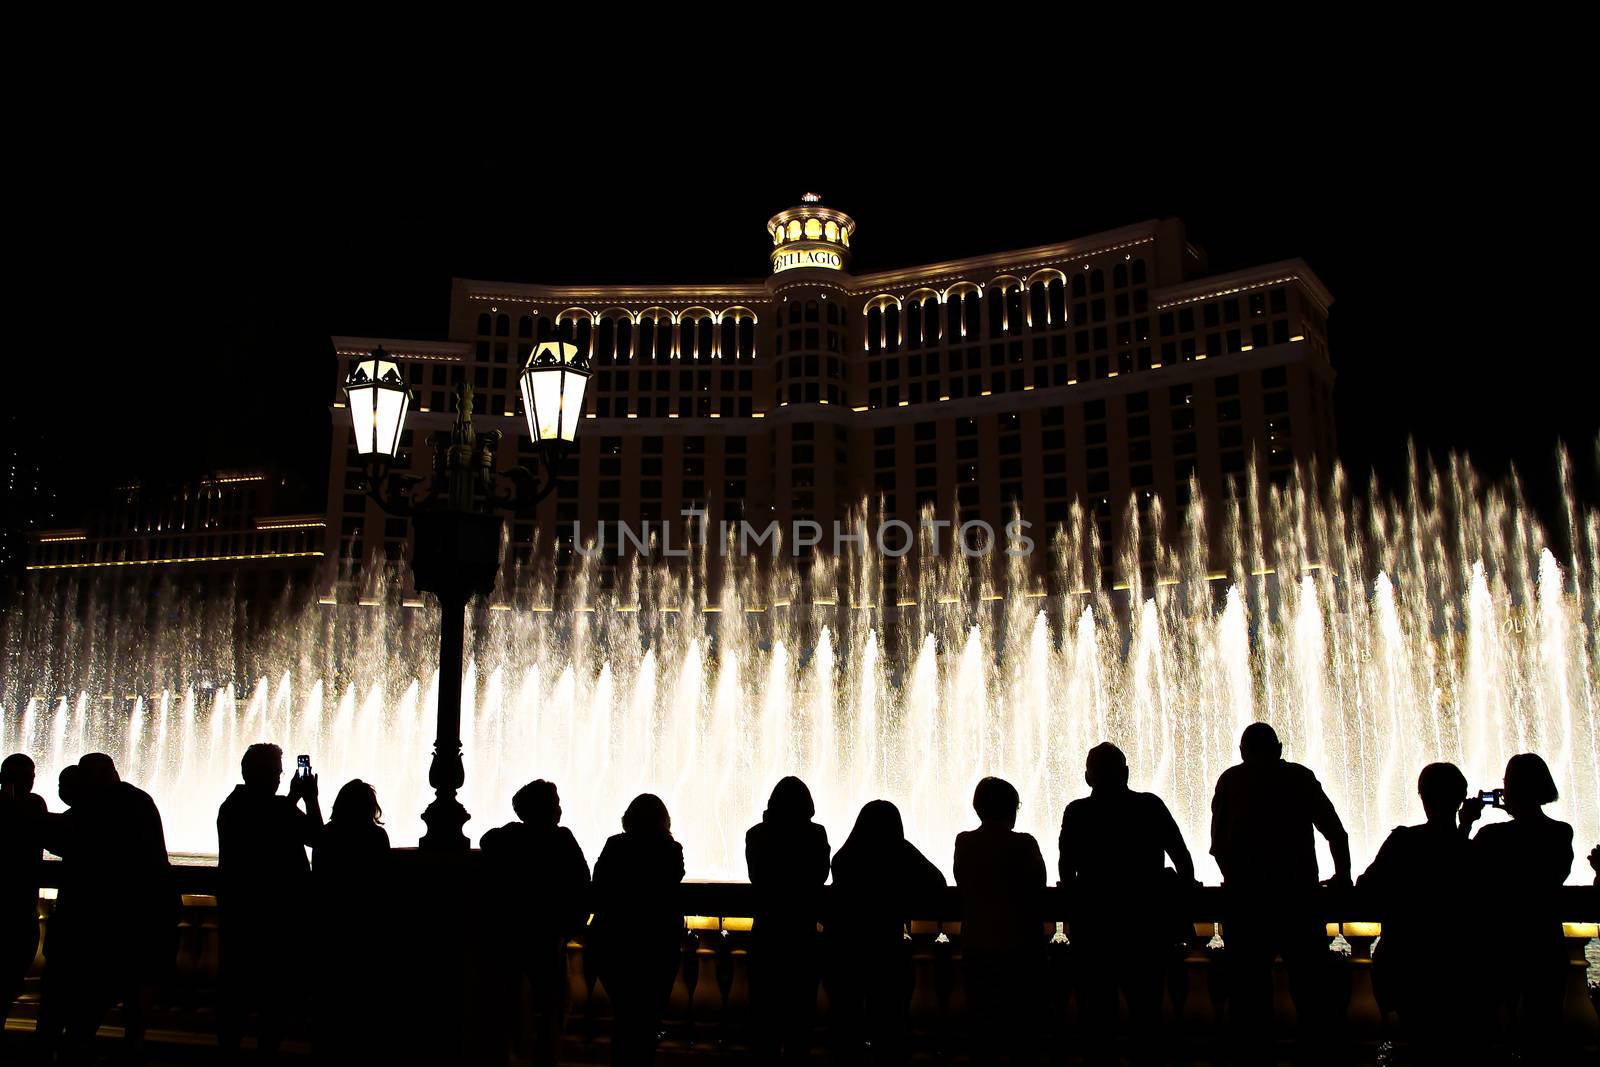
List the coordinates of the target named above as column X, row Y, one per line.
column 747, row 338
column 605, row 342
column 1038, row 306
column 930, row 321
column 813, row 229
column 546, row 329
column 875, row 330
column 663, row 339
column 525, row 326
column 624, row 340
column 997, row 311
column 970, row 313
column 1097, row 281
column 502, row 326
column 1079, row 287
column 1119, row 276
column 728, row 343
column 582, row 333
column 647, row 337
column 914, row 324
column 952, row 318
column 1058, row 303
column 704, row 330
column 833, row 314
column 1138, row 272
column 485, row 324
column 794, row 229
column 1015, row 320
column 891, row 328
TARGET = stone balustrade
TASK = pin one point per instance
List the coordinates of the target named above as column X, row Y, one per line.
column 710, row 1002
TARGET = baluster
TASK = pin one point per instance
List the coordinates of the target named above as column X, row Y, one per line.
column 1363, row 1015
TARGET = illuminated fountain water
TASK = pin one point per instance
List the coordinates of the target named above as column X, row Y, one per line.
column 1376, row 635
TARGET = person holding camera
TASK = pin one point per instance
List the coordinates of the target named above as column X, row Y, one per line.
column 1414, row 882
column 264, row 883
column 1520, row 863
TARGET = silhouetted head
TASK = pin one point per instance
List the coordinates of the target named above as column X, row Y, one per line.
column 97, row 771
column 996, row 802
column 1106, row 767
column 878, row 826
column 1529, row 784
column 538, row 803
column 69, row 784
column 17, row 772
column 262, row 766
column 790, row 802
column 1259, row 744
column 356, row 804
column 1442, row 788
column 646, row 815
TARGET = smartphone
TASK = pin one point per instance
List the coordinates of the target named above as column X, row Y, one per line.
column 1491, row 798
column 302, row 767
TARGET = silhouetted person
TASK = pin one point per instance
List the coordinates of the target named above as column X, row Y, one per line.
column 1114, row 846
column 1421, row 882
column 1001, row 875
column 1518, row 865
column 22, row 822
column 350, row 870
column 122, row 906
column 1264, row 815
column 637, row 932
column 1594, row 862
column 63, row 964
column 787, row 855
column 537, row 888
column 263, row 893
column 878, row 878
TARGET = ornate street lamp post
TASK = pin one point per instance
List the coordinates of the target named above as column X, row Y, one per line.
column 456, row 520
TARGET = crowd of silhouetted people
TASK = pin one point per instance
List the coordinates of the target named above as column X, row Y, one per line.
column 1124, row 864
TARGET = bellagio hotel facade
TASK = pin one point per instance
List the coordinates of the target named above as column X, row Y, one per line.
column 1097, row 371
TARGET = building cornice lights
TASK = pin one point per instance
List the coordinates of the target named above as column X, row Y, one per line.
column 160, row 562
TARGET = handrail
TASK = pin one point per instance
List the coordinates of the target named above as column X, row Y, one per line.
column 1574, row 905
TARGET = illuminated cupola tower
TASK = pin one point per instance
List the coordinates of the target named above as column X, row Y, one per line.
column 810, row 237
column 810, row 290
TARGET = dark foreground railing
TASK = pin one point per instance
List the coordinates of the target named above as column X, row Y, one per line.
column 431, row 903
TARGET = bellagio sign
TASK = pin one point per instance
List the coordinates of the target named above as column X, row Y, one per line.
column 792, row 257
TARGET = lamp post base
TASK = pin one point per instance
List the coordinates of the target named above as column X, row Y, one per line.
column 444, row 818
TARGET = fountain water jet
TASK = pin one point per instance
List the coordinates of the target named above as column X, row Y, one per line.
column 1376, row 634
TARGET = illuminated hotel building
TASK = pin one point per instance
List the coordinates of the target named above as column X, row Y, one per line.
column 1099, row 370
column 226, row 529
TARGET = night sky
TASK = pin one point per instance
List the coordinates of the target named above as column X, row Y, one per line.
column 184, row 305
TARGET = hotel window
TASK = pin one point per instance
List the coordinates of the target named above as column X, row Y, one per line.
column 485, row 325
